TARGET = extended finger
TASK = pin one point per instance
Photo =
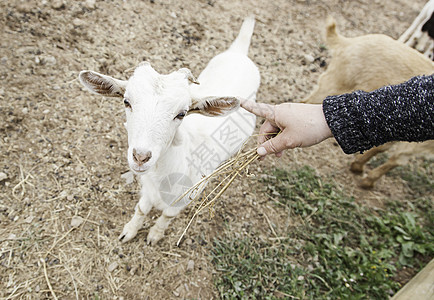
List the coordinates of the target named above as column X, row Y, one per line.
column 260, row 109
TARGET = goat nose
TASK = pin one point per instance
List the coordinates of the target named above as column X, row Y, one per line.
column 141, row 158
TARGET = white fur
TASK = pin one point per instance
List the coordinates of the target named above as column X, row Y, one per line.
column 182, row 150
column 415, row 37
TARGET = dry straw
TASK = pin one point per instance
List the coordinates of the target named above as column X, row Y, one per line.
column 225, row 175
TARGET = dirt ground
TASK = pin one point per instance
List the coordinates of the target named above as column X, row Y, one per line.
column 63, row 202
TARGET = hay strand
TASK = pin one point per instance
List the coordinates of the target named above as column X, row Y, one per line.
column 228, row 171
column 48, row 280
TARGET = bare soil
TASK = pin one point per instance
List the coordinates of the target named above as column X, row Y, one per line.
column 64, row 203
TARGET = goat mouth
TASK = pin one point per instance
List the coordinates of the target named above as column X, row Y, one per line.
column 139, row 170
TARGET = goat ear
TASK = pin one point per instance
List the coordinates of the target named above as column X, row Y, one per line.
column 102, row 84
column 214, row 106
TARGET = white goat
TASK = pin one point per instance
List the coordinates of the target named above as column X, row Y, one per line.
column 170, row 154
column 420, row 33
column 367, row 63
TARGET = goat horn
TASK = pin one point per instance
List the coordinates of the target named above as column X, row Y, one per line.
column 144, row 63
column 188, row 75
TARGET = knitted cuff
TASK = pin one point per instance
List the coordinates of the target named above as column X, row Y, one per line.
column 342, row 117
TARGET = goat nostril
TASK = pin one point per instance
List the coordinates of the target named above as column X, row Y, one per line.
column 141, row 158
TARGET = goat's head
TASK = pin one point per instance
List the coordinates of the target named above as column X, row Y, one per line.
column 155, row 106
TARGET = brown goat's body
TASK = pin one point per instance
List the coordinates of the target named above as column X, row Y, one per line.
column 367, row 63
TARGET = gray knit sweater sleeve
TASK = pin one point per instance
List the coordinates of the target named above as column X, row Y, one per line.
column 403, row 112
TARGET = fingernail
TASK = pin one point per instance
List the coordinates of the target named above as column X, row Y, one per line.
column 261, row 151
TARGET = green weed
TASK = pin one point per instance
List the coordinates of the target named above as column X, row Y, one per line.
column 341, row 250
column 418, row 179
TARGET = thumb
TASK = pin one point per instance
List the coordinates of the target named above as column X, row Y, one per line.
column 274, row 145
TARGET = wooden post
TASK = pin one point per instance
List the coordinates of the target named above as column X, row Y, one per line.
column 420, row 287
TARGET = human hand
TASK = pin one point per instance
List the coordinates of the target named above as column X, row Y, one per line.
column 288, row 125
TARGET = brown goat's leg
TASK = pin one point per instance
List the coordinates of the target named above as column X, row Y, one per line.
column 369, row 181
column 361, row 159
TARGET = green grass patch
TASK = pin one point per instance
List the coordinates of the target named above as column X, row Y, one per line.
column 341, row 250
column 418, row 178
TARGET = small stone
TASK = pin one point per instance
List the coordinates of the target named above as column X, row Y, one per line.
column 300, row 278
column 112, row 266
column 173, row 15
column 300, row 43
column 76, row 221
column 4, row 60
column 24, row 8
column 190, row 265
column 46, row 111
column 12, row 236
column 309, row 58
column 3, row 176
column 49, row 60
column 29, row 219
column 25, row 110
column 78, row 22
column 57, row 4
column 89, row 4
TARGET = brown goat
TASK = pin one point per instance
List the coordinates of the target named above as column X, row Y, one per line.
column 367, row 63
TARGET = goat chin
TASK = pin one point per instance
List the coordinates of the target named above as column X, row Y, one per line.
column 139, row 170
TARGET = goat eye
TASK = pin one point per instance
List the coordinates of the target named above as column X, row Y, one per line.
column 181, row 115
column 127, row 103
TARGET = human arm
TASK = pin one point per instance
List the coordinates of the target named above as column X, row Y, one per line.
column 358, row 120
column 403, row 112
